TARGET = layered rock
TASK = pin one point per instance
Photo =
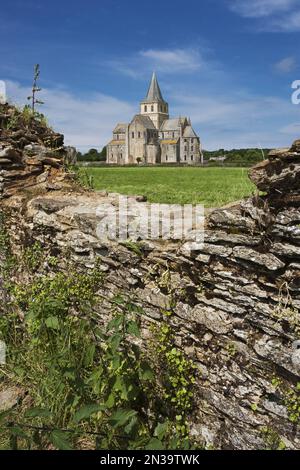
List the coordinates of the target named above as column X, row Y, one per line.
column 235, row 301
column 31, row 154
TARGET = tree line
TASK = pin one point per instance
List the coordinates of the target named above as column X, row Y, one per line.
column 250, row 155
column 92, row 155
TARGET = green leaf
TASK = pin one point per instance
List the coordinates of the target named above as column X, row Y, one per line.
column 121, row 417
column 254, row 406
column 133, row 329
column 115, row 323
column 52, row 323
column 60, row 441
column 130, row 426
column 114, row 341
column 154, row 444
column 161, row 430
column 89, row 355
column 146, row 373
column 110, row 401
column 116, row 362
column 37, row 412
column 17, row 432
column 86, row 411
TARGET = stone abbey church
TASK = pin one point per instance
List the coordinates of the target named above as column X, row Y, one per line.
column 151, row 137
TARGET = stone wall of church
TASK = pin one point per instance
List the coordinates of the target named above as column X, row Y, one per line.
column 116, row 154
column 153, row 154
column 137, row 141
column 157, row 112
column 169, row 153
column 190, row 150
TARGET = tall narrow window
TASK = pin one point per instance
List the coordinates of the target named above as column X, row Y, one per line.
column 132, row 135
column 121, row 156
column 139, row 135
column 166, row 158
column 185, row 157
column 192, row 157
column 145, row 108
column 152, row 108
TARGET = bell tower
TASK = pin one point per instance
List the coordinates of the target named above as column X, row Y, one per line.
column 154, row 105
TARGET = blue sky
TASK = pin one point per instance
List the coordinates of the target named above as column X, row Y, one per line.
column 228, row 64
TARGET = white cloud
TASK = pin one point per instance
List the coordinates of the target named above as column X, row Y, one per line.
column 85, row 122
column 291, row 129
column 286, row 65
column 231, row 120
column 174, row 59
column 289, row 23
column 261, row 8
column 168, row 61
column 237, row 121
column 272, row 15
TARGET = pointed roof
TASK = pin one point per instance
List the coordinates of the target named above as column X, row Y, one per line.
column 189, row 132
column 144, row 120
column 154, row 93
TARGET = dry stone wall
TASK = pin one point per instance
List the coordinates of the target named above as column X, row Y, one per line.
column 235, row 303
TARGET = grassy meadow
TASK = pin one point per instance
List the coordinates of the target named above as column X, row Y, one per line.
column 213, row 187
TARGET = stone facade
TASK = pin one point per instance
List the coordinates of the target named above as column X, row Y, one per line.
column 151, row 137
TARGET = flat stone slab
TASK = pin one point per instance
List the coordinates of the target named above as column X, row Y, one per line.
column 9, row 398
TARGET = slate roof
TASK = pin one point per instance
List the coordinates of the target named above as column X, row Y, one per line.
column 189, row 132
column 154, row 93
column 171, row 124
column 120, row 128
column 145, row 121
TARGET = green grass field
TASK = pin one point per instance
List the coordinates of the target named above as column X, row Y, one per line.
column 213, row 187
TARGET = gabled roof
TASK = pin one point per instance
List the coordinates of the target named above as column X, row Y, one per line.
column 189, row 132
column 154, row 93
column 172, row 124
column 144, row 120
column 120, row 128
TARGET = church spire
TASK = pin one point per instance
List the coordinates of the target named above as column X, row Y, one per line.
column 154, row 93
